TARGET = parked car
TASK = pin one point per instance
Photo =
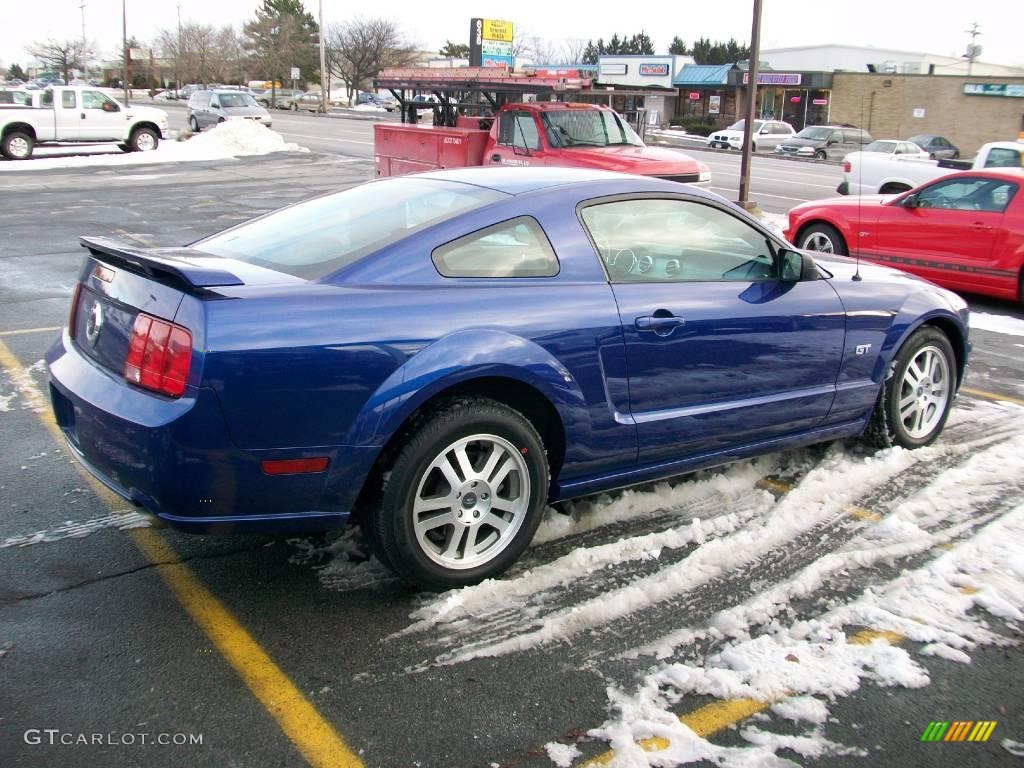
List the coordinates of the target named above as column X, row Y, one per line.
column 825, row 142
column 964, row 231
column 440, row 355
column 78, row 114
column 211, row 107
column 893, row 148
column 304, row 102
column 871, row 173
column 767, row 135
column 937, row 147
column 376, row 100
column 274, row 98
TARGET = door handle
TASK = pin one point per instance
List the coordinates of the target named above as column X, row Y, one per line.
column 661, row 324
column 495, row 158
column 82, row 116
column 980, row 226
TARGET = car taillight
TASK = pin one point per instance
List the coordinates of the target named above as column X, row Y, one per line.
column 846, row 166
column 159, row 355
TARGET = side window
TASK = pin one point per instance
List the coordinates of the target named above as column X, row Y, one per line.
column 97, row 100
column 46, row 100
column 518, row 129
column 67, row 99
column 966, row 194
column 515, row 248
column 652, row 240
column 1003, row 158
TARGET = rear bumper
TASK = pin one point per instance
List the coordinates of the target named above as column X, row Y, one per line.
column 175, row 458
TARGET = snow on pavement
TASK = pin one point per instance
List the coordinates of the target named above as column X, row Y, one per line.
column 1005, row 324
column 234, row 138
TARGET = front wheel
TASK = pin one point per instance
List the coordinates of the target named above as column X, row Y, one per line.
column 821, row 154
column 17, row 145
column 294, row 107
column 917, row 393
column 143, row 140
column 193, row 124
column 463, row 497
column 823, row 238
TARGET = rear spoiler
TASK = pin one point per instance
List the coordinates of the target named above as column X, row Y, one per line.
column 183, row 265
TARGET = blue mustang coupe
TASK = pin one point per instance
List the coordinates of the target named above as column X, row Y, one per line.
column 440, row 355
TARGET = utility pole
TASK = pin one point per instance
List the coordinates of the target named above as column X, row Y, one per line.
column 748, row 126
column 325, row 78
column 177, row 59
column 972, row 49
column 124, row 48
column 85, row 45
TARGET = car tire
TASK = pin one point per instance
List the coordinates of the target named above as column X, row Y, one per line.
column 294, row 107
column 823, row 238
column 753, row 146
column 17, row 145
column 821, row 154
column 917, row 393
column 474, row 452
column 143, row 140
column 931, row 156
column 956, row 155
column 193, row 125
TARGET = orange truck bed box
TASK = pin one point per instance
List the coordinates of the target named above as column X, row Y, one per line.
column 400, row 148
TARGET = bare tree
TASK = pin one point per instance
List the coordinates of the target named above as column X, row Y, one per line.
column 359, row 49
column 572, row 50
column 63, row 55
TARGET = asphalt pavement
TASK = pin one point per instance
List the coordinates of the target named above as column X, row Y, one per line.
column 281, row 652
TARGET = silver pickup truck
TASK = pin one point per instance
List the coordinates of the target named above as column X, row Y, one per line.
column 79, row 114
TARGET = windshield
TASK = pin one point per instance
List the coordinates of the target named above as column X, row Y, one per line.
column 236, row 100
column 738, row 125
column 588, row 128
column 320, row 236
column 887, row 147
column 816, row 132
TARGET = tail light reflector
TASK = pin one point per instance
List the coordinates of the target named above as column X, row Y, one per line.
column 74, row 309
column 159, row 356
column 846, row 166
column 294, row 466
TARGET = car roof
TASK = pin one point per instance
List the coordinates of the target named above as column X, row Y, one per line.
column 522, row 180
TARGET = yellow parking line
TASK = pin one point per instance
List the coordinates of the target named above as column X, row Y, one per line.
column 315, row 739
column 984, row 393
column 773, row 485
column 22, row 331
column 719, row 715
column 859, row 513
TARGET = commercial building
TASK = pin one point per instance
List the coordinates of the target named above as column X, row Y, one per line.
column 861, row 58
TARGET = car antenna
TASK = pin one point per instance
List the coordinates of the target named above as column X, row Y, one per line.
column 860, row 193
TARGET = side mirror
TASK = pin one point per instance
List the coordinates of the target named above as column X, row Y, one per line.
column 791, row 266
column 109, row 106
column 831, row 142
column 214, row 105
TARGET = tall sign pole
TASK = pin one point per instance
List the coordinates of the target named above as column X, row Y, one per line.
column 325, row 78
column 748, row 127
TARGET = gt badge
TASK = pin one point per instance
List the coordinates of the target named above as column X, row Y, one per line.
column 862, row 349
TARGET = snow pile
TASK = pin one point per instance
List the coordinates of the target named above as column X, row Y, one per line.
column 1006, row 324
column 230, row 139
column 561, row 755
column 368, row 108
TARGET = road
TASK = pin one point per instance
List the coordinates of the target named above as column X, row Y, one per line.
column 289, row 651
column 776, row 185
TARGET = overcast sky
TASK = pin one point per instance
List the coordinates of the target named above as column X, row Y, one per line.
column 881, row 23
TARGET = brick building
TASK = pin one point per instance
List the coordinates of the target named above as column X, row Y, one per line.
column 969, row 111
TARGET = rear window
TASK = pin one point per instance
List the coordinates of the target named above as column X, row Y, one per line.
column 516, row 248
column 320, row 236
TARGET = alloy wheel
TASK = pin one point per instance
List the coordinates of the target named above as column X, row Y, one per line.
column 924, row 392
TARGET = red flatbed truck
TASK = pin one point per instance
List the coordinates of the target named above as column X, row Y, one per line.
column 481, row 119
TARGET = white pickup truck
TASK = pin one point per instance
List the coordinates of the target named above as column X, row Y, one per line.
column 79, row 114
column 872, row 173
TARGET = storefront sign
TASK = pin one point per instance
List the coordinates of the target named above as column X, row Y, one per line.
column 496, row 48
column 994, row 89
column 774, row 78
column 794, row 99
column 658, row 70
column 694, row 96
column 613, row 69
column 919, row 112
column 714, row 105
column 819, row 102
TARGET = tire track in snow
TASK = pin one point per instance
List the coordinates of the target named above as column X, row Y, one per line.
column 784, row 551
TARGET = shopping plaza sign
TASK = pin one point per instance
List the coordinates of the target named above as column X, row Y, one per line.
column 490, row 43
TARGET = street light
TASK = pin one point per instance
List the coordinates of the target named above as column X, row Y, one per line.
column 124, row 49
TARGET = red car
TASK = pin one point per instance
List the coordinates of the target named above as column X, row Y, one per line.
column 964, row 231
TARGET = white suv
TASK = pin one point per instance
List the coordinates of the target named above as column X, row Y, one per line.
column 767, row 134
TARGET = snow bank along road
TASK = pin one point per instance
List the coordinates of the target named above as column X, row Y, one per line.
column 820, row 607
